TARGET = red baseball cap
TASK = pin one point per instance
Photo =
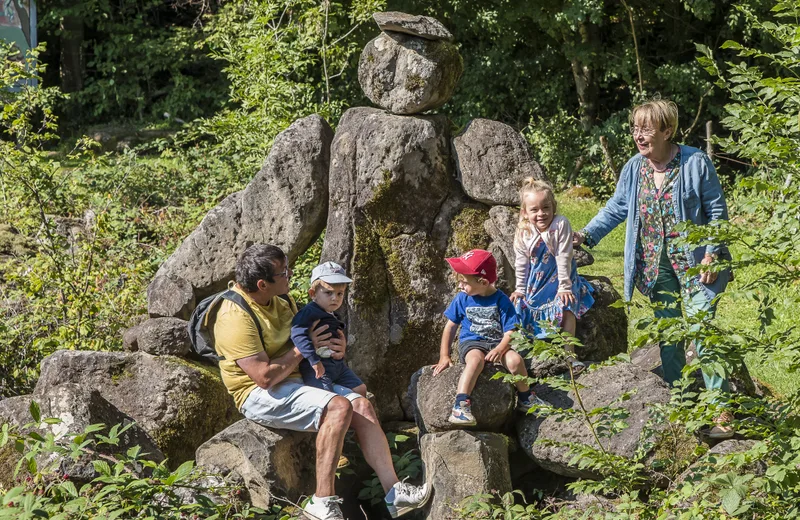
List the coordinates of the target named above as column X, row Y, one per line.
column 477, row 262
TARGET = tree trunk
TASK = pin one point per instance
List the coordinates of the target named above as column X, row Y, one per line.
column 72, row 62
column 584, row 44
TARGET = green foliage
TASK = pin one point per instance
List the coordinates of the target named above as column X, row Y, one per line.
column 96, row 229
column 282, row 59
column 406, row 465
column 126, row 486
column 143, row 58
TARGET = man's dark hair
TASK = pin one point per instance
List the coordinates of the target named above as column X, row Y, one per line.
column 257, row 263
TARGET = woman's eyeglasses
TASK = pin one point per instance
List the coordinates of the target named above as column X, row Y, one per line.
column 643, row 131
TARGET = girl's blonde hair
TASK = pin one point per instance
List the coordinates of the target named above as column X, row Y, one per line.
column 658, row 114
column 531, row 185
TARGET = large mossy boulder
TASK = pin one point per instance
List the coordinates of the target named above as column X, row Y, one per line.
column 76, row 408
column 393, row 212
column 180, row 404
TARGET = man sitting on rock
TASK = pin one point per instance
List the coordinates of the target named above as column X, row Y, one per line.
column 262, row 376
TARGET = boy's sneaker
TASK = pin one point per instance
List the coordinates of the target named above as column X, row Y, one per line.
column 526, row 404
column 462, row 414
column 407, row 498
column 323, row 508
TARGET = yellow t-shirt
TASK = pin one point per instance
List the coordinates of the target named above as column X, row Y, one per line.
column 236, row 337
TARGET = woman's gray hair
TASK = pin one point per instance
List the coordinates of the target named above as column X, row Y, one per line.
column 658, row 114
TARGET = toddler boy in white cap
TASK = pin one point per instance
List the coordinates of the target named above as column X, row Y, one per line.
column 328, row 286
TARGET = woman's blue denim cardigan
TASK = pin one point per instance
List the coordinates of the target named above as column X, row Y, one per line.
column 697, row 196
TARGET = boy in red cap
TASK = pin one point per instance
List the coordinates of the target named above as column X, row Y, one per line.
column 487, row 318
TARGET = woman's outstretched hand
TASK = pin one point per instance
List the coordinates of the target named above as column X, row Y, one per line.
column 708, row 277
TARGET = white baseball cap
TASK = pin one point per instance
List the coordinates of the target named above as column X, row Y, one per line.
column 330, row 272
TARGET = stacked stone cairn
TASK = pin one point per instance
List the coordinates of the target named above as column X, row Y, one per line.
column 397, row 193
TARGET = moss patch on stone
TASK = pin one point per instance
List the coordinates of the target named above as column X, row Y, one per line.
column 414, row 82
column 8, row 462
column 202, row 413
column 468, row 232
column 673, row 452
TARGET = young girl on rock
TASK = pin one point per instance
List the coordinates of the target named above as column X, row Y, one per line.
column 548, row 286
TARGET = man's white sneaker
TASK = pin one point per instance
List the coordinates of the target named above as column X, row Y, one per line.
column 407, row 498
column 323, row 508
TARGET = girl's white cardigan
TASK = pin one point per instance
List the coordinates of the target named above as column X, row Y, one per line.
column 558, row 240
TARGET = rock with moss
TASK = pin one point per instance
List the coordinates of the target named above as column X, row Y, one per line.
column 408, row 74
column 179, row 403
column 415, row 25
column 268, row 462
column 459, row 464
column 492, row 161
column 433, row 397
column 285, row 204
column 546, row 439
column 393, row 201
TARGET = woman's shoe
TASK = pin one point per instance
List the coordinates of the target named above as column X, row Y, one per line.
column 722, row 428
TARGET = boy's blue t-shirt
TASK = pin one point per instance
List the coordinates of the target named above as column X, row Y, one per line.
column 482, row 318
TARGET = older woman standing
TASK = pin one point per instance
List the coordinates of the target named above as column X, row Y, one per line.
column 662, row 185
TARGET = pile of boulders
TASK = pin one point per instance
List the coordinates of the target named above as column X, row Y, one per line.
column 397, row 193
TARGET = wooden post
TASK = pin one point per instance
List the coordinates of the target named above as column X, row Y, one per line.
column 709, row 134
column 609, row 158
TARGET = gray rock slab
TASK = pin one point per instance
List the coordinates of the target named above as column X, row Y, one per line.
column 285, row 204
column 459, row 464
column 180, row 404
column 415, row 25
column 492, row 160
column 602, row 387
column 268, row 462
column 164, row 337
column 493, row 401
column 407, row 74
column 171, row 295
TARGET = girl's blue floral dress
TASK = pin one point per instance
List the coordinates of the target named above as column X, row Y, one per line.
column 541, row 301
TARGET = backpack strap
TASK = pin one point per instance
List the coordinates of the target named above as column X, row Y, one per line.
column 239, row 300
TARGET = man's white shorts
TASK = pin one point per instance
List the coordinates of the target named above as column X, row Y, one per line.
column 291, row 405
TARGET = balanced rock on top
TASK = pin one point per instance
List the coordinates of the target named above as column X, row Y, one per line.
column 408, row 74
column 415, row 25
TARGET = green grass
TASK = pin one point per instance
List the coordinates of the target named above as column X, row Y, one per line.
column 734, row 311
